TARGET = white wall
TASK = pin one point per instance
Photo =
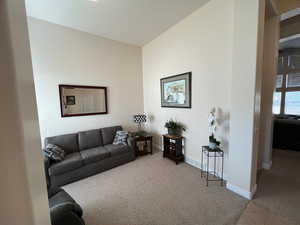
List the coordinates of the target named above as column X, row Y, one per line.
column 201, row 43
column 23, row 188
column 271, row 45
column 65, row 56
column 260, row 28
column 221, row 43
column 244, row 122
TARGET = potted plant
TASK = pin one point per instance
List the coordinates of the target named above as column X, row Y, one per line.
column 174, row 127
column 213, row 142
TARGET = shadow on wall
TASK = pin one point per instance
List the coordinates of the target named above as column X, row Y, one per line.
column 150, row 118
column 223, row 119
column 157, row 140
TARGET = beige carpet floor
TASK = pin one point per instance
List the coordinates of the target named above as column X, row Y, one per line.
column 257, row 215
column 154, row 191
column 279, row 188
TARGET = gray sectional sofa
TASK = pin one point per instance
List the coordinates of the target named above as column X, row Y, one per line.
column 87, row 153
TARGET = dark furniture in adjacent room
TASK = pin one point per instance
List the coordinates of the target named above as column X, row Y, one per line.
column 286, row 134
column 87, row 153
column 214, row 154
column 173, row 148
column 147, row 142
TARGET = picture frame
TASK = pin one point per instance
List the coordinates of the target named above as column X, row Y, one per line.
column 82, row 100
column 176, row 91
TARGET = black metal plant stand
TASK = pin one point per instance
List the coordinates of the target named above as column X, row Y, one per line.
column 212, row 153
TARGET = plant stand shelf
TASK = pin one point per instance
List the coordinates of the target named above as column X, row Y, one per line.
column 214, row 154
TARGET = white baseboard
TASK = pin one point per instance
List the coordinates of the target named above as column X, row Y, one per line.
column 197, row 164
column 158, row 147
column 266, row 165
column 193, row 163
column 242, row 192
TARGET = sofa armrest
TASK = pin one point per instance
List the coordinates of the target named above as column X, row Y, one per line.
column 53, row 191
column 131, row 142
column 66, row 213
column 47, row 164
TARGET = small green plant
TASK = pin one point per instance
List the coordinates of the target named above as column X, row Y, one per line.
column 174, row 125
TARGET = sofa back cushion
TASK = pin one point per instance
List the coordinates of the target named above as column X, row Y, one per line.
column 67, row 142
column 89, row 139
column 108, row 134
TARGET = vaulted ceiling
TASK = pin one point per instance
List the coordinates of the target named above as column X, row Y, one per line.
column 131, row 21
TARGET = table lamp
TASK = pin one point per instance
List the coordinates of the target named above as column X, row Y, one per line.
column 139, row 119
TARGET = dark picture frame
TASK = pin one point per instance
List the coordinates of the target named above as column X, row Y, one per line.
column 176, row 91
column 73, row 100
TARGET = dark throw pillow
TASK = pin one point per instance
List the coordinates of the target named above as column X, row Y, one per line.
column 54, row 152
column 121, row 138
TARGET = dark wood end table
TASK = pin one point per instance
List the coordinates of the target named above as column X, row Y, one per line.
column 173, row 148
column 148, row 145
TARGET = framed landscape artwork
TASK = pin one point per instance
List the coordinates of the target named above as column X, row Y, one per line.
column 176, row 91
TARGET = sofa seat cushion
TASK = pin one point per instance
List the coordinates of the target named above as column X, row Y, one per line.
column 117, row 149
column 94, row 155
column 71, row 162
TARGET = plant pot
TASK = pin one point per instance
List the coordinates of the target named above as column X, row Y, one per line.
column 174, row 132
column 212, row 145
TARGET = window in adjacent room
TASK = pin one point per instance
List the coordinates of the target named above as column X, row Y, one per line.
column 286, row 99
column 276, row 102
column 292, row 103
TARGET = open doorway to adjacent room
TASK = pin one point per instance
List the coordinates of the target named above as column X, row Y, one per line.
column 279, row 184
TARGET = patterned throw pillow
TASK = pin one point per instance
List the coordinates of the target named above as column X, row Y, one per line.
column 54, row 152
column 121, row 138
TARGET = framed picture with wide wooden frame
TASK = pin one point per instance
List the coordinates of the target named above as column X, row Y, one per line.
column 78, row 100
column 176, row 91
